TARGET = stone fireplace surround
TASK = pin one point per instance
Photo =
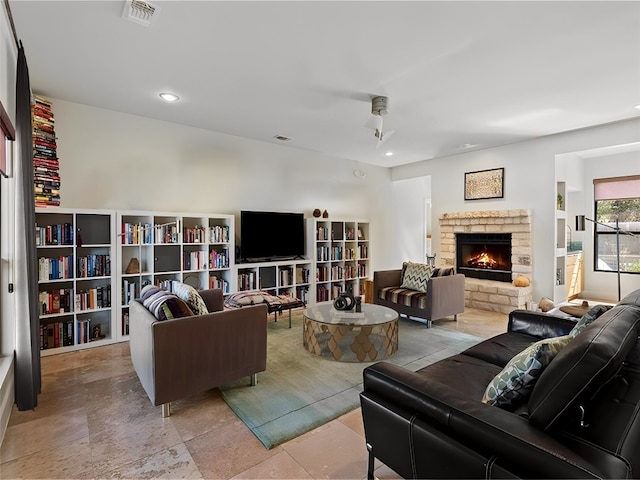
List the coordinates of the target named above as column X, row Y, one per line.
column 489, row 294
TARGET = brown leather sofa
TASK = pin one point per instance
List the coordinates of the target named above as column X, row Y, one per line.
column 444, row 296
column 580, row 420
column 178, row 358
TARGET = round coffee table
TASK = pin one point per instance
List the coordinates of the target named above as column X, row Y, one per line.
column 349, row 336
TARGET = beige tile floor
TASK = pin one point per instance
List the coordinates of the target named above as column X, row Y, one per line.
column 94, row 420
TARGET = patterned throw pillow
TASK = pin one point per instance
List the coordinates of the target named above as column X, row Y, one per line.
column 191, row 296
column 443, row 271
column 416, row 276
column 164, row 305
column 516, row 380
column 588, row 318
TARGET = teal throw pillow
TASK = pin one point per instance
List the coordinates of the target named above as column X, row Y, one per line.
column 516, row 380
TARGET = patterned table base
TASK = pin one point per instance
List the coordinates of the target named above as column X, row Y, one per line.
column 350, row 343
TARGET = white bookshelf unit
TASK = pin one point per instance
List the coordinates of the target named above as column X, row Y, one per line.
column 196, row 249
column 285, row 277
column 340, row 253
column 75, row 251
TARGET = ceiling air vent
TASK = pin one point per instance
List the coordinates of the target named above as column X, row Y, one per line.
column 281, row 138
column 140, row 12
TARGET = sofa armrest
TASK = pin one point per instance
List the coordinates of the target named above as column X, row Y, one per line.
column 445, row 295
column 539, row 325
column 213, row 299
column 141, row 345
column 508, row 438
column 386, row 278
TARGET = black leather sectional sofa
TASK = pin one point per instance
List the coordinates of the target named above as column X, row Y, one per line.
column 581, row 419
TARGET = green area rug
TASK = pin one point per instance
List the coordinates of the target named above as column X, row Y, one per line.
column 300, row 391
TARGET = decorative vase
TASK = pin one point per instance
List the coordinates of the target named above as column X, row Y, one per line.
column 325, row 214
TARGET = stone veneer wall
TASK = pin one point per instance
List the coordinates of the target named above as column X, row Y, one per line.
column 489, row 294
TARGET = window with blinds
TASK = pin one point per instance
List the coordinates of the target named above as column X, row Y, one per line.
column 617, row 206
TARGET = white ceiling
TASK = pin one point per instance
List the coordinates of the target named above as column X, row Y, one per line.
column 456, row 73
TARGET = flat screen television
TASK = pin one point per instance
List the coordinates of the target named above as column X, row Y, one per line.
column 271, row 235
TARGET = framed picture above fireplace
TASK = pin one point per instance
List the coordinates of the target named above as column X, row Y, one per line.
column 484, row 184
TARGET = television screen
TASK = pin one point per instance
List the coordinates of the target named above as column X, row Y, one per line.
column 271, row 235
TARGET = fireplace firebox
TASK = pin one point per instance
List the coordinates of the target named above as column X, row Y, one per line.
column 484, row 255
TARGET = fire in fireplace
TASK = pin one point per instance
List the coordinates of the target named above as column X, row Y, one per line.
column 484, row 255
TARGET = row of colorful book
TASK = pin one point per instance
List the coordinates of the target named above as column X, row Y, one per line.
column 46, row 167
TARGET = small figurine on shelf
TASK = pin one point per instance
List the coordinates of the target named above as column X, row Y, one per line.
column 325, row 214
column 96, row 332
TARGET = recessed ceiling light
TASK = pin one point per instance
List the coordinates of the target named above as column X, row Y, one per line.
column 169, row 97
column 637, row 106
column 468, row 145
column 388, row 154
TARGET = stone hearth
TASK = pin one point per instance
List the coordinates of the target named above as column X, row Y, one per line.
column 489, row 294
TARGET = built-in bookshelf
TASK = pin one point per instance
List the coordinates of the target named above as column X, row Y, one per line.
column 286, row 277
column 75, row 251
column 157, row 248
column 560, row 289
column 340, row 255
column 92, row 263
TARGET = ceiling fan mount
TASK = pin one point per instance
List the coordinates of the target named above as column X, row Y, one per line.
column 380, row 105
column 379, row 108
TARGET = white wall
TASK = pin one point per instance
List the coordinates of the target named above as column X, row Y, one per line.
column 529, row 184
column 409, row 197
column 112, row 160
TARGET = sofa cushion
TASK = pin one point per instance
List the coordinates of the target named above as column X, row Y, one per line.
column 588, row 318
column 443, row 271
column 514, row 383
column 466, row 375
column 416, row 276
column 501, row 348
column 191, row 296
column 403, row 296
column 588, row 361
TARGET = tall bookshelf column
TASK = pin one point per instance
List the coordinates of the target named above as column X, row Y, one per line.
column 340, row 254
column 75, row 283
column 135, row 242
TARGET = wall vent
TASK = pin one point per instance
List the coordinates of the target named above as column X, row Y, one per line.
column 140, row 12
column 281, row 138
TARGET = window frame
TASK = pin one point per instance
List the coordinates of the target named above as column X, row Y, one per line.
column 9, row 134
column 600, row 235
